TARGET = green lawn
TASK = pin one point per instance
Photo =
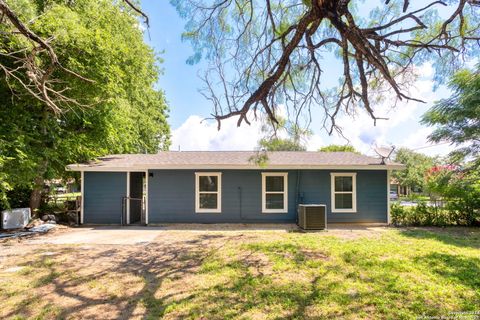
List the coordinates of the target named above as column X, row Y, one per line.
column 391, row 274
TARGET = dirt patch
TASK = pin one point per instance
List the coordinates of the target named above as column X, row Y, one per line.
column 353, row 232
column 314, row 255
column 45, row 278
column 85, row 281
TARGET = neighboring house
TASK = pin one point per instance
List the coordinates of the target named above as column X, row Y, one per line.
column 398, row 188
column 228, row 187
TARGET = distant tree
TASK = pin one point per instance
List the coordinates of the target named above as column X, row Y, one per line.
column 417, row 165
column 283, row 136
column 279, row 144
column 460, row 188
column 457, row 119
column 118, row 110
column 338, row 148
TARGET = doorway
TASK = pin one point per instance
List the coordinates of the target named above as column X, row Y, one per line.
column 136, row 198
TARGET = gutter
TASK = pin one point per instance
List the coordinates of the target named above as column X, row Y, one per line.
column 105, row 168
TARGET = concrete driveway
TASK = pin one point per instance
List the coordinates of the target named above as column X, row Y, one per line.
column 103, row 235
column 168, row 233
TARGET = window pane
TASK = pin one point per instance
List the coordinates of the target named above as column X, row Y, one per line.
column 274, row 201
column 343, row 183
column 208, row 201
column 274, row 183
column 208, row 183
column 343, row 201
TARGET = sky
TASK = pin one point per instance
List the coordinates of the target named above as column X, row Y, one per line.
column 189, row 109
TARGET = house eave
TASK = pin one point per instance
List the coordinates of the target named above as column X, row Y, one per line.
column 99, row 168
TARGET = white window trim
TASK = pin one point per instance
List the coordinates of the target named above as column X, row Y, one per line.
column 388, row 196
column 353, row 192
column 82, row 194
column 218, row 192
column 284, row 192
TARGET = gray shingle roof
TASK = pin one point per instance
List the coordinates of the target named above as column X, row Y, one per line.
column 234, row 159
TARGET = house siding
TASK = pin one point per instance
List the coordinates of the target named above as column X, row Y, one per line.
column 172, row 196
column 103, row 193
column 372, row 201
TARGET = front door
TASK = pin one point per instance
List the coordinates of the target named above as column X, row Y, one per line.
column 136, row 205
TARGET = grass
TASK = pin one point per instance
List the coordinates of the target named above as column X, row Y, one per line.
column 393, row 274
column 414, row 197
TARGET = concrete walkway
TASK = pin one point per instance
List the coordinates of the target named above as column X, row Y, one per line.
column 172, row 233
column 102, row 235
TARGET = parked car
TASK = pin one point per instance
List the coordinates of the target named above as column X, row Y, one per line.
column 393, row 195
column 59, row 189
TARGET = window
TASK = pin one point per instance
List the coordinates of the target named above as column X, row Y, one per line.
column 344, row 195
column 208, row 192
column 274, row 192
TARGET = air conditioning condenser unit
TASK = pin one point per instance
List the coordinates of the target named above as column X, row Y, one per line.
column 312, row 216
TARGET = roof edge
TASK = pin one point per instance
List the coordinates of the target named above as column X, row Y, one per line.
column 98, row 168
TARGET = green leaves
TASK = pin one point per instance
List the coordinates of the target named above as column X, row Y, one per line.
column 457, row 119
column 338, row 148
column 416, row 164
column 101, row 41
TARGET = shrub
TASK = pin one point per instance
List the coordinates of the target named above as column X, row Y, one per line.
column 453, row 213
column 397, row 214
column 17, row 198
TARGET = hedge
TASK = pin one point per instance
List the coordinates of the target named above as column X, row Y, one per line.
column 452, row 213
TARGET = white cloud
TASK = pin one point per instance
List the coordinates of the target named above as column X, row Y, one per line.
column 402, row 129
column 199, row 134
column 418, row 141
column 314, row 143
column 195, row 134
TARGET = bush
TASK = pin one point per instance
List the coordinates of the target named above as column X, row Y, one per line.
column 460, row 188
column 17, row 198
column 453, row 213
column 397, row 214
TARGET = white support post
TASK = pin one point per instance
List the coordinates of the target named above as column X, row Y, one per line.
column 82, row 194
column 146, row 197
column 128, row 196
column 388, row 196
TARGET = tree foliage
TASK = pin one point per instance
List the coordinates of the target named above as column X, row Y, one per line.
column 281, row 144
column 460, row 188
column 117, row 111
column 457, row 119
column 266, row 53
column 35, row 64
column 417, row 165
column 338, row 148
column 283, row 136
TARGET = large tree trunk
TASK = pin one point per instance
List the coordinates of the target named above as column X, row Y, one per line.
column 36, row 195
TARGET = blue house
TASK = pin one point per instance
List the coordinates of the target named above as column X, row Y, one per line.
column 231, row 187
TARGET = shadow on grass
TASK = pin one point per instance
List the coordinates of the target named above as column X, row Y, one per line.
column 456, row 236
column 281, row 279
column 458, row 269
column 152, row 263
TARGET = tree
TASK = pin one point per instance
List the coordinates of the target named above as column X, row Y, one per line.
column 417, row 165
column 457, row 119
column 338, row 148
column 280, row 144
column 35, row 61
column 263, row 54
column 461, row 190
column 293, row 139
column 117, row 111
